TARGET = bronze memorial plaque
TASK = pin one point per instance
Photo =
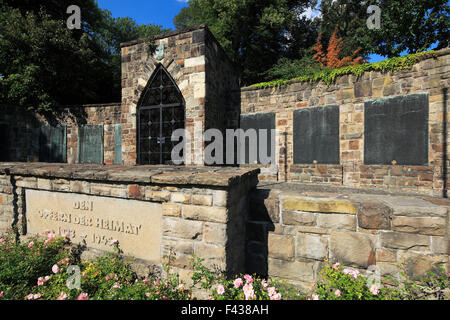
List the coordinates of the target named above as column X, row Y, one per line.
column 97, row 221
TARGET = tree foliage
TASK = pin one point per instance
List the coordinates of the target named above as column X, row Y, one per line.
column 44, row 64
column 254, row 33
column 406, row 25
column 331, row 59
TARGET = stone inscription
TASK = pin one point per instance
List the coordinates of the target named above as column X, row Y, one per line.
column 95, row 221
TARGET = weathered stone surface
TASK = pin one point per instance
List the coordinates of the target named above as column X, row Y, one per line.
column 312, row 246
column 212, row 214
column 386, row 255
column 337, row 221
column 374, row 215
column 415, row 207
column 439, row 245
column 299, row 218
column 170, row 209
column 281, row 247
column 181, row 197
column 296, row 270
column 202, row 199
column 420, row 264
column 404, row 241
column 98, row 220
column 427, row 226
column 215, row 233
column 180, row 228
column 353, row 249
column 292, row 203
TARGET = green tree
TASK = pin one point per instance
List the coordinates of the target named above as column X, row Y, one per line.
column 254, row 33
column 406, row 25
column 43, row 63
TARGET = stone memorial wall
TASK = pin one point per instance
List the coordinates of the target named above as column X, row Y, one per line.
column 390, row 131
column 149, row 210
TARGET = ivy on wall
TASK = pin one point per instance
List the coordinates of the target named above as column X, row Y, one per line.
column 329, row 75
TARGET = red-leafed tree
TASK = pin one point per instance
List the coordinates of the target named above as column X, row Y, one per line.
column 331, row 58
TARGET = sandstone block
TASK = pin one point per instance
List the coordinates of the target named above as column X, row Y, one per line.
column 353, row 249
column 419, row 264
column 427, row 226
column 309, row 204
column 312, row 246
column 336, row 221
column 212, row 214
column 180, row 228
column 281, row 247
column 202, row 200
column 180, row 197
column 299, row 218
column 374, row 215
column 169, row 209
column 404, row 241
column 215, row 233
column 295, row 270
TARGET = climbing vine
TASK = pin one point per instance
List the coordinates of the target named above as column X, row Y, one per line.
column 329, row 75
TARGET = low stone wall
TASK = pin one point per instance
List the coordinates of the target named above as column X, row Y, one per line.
column 191, row 210
column 290, row 234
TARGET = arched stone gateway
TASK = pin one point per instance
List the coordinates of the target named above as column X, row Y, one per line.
column 161, row 111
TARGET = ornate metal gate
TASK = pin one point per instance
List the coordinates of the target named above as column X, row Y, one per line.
column 161, row 111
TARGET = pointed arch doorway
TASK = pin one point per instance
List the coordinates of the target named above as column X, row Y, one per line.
column 161, row 111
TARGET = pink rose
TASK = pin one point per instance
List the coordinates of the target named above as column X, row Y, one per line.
column 107, row 278
column 83, row 296
column 31, row 244
column 337, row 293
column 238, row 282
column 220, row 289
column 2, row 240
column 114, row 241
column 248, row 278
column 248, row 292
column 1, row 294
column 116, row 286
column 55, row 268
column 336, row 266
column 374, row 289
column 271, row 291
column 264, row 283
column 62, row 296
column 315, row 297
column 276, row 296
column 40, row 281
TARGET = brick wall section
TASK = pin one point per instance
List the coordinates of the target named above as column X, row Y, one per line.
column 290, row 235
column 428, row 76
column 202, row 213
column 24, row 129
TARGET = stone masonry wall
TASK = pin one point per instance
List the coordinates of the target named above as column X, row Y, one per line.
column 291, row 235
column 203, row 210
column 431, row 76
column 23, row 137
column 184, row 59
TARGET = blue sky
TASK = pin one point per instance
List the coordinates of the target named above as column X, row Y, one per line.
column 159, row 12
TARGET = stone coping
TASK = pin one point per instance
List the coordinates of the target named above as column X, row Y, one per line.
column 172, row 175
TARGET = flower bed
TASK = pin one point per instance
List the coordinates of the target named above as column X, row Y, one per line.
column 46, row 269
